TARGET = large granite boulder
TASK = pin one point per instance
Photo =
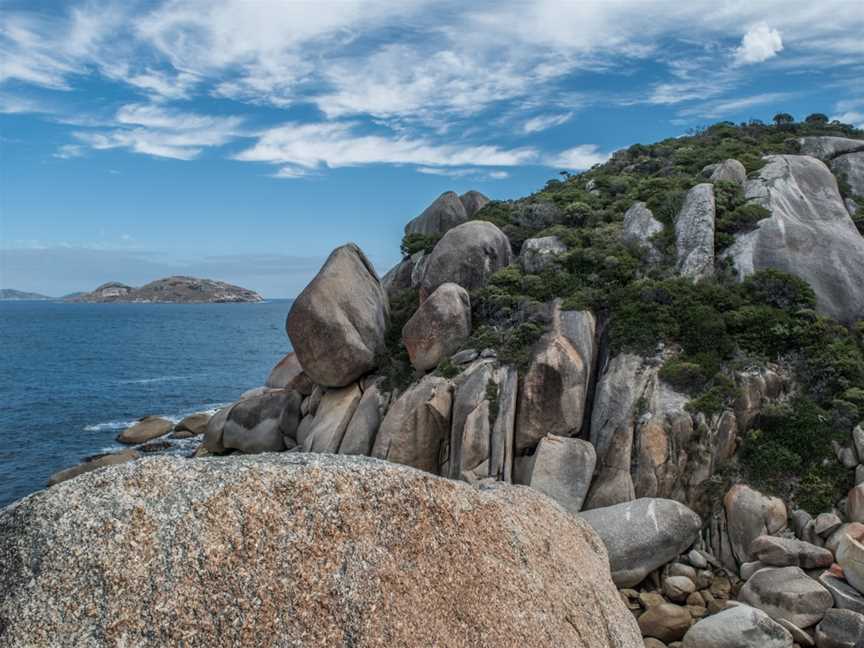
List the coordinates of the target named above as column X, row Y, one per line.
column 337, row 324
column 360, row 433
column 537, row 254
column 809, row 234
column 294, row 549
column 473, row 201
column 288, row 374
column 750, row 514
column 323, row 430
column 787, row 593
column 467, row 255
column 445, row 213
column 102, row 461
column 826, row 147
column 255, row 424
column 482, row 423
column 416, row 430
column 694, row 233
column 851, row 168
column 643, row 535
column 560, row 468
column 640, row 227
column 741, row 626
column 146, row 429
column 553, row 394
column 439, row 327
column 729, row 171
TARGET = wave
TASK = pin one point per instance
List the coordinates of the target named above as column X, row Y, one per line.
column 122, row 424
column 158, row 379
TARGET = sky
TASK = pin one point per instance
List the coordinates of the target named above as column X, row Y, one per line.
column 242, row 140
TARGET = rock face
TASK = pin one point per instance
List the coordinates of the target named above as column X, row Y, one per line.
column 112, row 459
column 416, row 430
column 300, row 550
column 445, row 213
column 809, row 234
column 439, row 326
column 172, row 290
column 740, row 627
column 826, row 148
column 149, row 427
column 467, row 255
column 553, row 394
column 787, row 593
column 560, row 468
column 694, row 233
column 640, row 227
column 537, row 254
column 338, row 322
column 729, row 171
column 851, row 168
column 643, row 535
column 473, row 201
column 750, row 514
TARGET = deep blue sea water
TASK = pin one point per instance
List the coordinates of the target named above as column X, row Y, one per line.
column 73, row 375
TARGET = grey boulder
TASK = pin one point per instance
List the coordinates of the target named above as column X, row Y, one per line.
column 360, row 433
column 750, row 514
column 826, row 147
column 809, row 234
column 466, row 255
column 840, row 629
column 439, row 327
column 643, row 535
column 146, row 429
column 845, row 596
column 783, row 552
column 446, row 212
column 787, row 593
column 323, row 430
column 337, row 324
column 537, row 254
column 640, row 227
column 740, row 626
column 851, row 168
column 560, row 468
column 694, row 233
column 255, row 424
column 729, row 171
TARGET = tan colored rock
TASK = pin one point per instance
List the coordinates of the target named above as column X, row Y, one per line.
column 192, row 425
column 288, row 374
column 360, row 433
column 112, row 459
column 666, row 622
column 147, row 428
column 850, row 556
column 295, row 549
column 750, row 514
column 439, row 327
column 324, row 431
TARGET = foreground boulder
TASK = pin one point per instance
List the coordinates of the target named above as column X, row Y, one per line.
column 809, row 234
column 439, row 327
column 643, row 535
column 300, row 550
column 738, row 627
column 467, row 255
column 445, row 213
column 338, row 322
column 149, row 427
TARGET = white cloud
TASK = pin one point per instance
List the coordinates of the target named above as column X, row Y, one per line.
column 715, row 109
column 853, row 117
column 480, row 174
column 578, row 158
column 760, row 43
column 68, row 151
column 544, row 122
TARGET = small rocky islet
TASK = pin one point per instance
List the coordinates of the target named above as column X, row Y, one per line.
column 624, row 411
column 170, row 290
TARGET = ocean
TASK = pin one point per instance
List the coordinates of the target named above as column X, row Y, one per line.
column 73, row 375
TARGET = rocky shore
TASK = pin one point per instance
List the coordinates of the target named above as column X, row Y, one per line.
column 532, row 466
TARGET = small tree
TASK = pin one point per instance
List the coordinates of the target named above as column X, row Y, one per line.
column 817, row 119
column 782, row 120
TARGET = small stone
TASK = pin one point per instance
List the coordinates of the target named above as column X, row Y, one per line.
column 826, row 524
column 680, row 569
column 650, row 599
column 666, row 622
column 697, row 559
column 678, row 588
column 695, row 600
column 464, row 357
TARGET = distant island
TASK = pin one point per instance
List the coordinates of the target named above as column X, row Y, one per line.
column 7, row 294
column 171, row 290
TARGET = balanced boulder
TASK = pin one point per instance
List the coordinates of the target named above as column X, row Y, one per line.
column 694, row 233
column 561, row 468
column 338, row 322
column 809, row 234
column 300, row 550
column 147, row 428
column 439, row 327
column 741, row 626
column 643, row 535
column 467, row 255
column 787, row 593
column 445, row 213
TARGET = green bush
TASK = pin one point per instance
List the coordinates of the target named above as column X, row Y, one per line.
column 413, row 243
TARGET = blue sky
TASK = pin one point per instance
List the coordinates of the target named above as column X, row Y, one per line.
column 243, row 139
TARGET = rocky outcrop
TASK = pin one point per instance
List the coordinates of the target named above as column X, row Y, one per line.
column 337, row 324
column 826, row 148
column 851, row 168
column 809, row 234
column 445, row 213
column 259, row 423
column 483, row 420
column 553, row 393
column 171, row 290
column 643, row 535
column 297, row 549
column 439, row 327
column 560, row 468
column 473, row 201
column 416, row 430
column 640, row 227
column 729, row 171
column 467, row 255
column 102, row 461
column 537, row 254
column 147, row 428
column 288, row 374
column 694, row 233
column 741, row 626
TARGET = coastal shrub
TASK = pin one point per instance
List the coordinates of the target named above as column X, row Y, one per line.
column 780, row 290
column 394, row 363
column 413, row 243
column 684, row 376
